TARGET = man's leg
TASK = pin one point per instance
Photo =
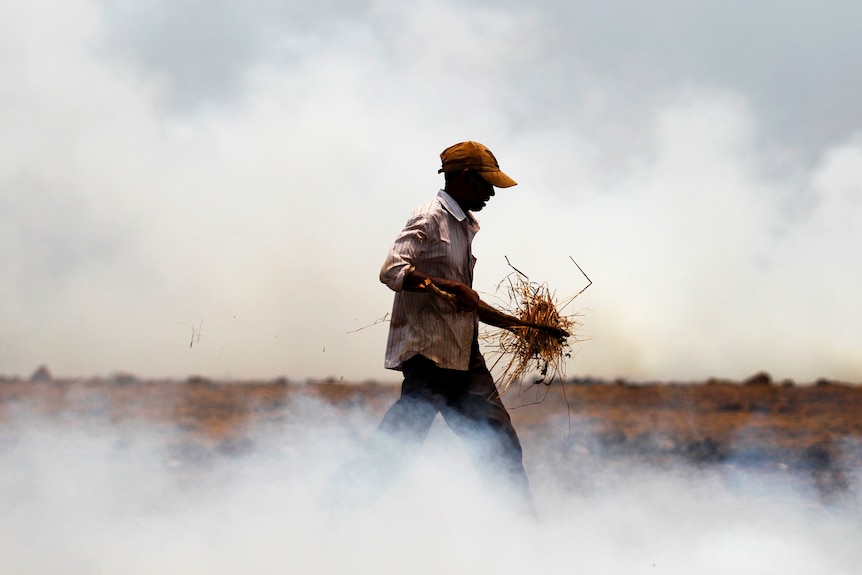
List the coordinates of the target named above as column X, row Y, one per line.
column 409, row 419
column 479, row 417
column 398, row 438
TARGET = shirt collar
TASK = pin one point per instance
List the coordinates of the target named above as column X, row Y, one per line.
column 453, row 208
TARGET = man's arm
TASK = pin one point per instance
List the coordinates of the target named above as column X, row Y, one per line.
column 465, row 297
column 493, row 316
column 487, row 313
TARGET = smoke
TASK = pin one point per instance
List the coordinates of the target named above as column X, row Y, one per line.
column 172, row 161
column 134, row 498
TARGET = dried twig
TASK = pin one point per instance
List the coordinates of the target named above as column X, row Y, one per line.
column 383, row 319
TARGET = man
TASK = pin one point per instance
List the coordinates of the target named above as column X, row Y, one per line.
column 433, row 334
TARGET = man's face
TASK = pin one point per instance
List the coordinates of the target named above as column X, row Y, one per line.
column 475, row 192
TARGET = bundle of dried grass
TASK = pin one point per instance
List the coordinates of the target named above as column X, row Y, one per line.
column 534, row 337
column 520, row 350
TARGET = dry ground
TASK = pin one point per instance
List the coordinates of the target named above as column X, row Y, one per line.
column 809, row 432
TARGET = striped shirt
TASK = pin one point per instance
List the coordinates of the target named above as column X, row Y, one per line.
column 436, row 241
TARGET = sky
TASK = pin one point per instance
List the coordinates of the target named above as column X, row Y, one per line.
column 210, row 188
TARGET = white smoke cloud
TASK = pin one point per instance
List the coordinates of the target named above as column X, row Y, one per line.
column 136, row 499
column 260, row 193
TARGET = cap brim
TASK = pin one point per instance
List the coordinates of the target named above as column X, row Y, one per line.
column 498, row 179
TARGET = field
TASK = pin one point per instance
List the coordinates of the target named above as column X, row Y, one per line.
column 123, row 475
column 810, row 435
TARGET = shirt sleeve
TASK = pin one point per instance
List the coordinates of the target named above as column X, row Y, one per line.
column 406, row 251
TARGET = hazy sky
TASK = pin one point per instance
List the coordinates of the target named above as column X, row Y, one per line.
column 248, row 164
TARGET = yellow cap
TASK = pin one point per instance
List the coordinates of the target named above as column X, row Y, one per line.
column 475, row 156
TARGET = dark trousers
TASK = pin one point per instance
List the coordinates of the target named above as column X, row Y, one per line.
column 470, row 405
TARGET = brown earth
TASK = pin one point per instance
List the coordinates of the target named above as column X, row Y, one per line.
column 811, row 433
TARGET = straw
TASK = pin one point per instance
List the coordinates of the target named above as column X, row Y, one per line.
column 525, row 350
column 539, row 346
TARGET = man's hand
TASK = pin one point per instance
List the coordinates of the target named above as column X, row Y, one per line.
column 462, row 295
column 466, row 299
